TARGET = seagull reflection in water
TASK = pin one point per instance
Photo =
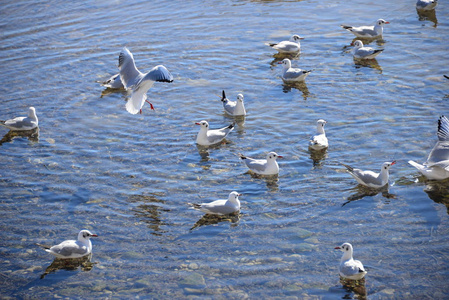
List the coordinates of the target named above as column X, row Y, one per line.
column 300, row 86
column 363, row 191
column 32, row 135
column 70, row 264
column 209, row 219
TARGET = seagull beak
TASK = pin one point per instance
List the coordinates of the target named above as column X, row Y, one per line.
column 240, row 195
column 197, row 123
column 280, row 62
column 280, row 156
column 393, row 162
column 387, row 22
column 94, row 235
column 337, row 248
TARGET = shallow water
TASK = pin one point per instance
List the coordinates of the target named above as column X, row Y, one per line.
column 129, row 178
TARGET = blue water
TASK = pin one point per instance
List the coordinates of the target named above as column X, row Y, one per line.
column 128, row 178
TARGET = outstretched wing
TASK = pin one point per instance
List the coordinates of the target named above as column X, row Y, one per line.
column 128, row 71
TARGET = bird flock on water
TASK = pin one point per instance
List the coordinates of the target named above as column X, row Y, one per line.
column 129, row 78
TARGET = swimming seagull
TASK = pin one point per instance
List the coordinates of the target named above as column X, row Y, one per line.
column 115, row 82
column 220, row 207
column 319, row 141
column 368, row 31
column 138, row 82
column 350, row 268
column 234, row 108
column 268, row 166
column 370, row 178
column 22, row 123
column 72, row 248
column 291, row 46
column 207, row 137
column 426, row 4
column 361, row 52
column 437, row 164
column 290, row 74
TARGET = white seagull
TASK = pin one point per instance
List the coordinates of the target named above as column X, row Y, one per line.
column 115, row 82
column 426, row 4
column 370, row 178
column 319, row 141
column 234, row 108
column 350, row 268
column 361, row 52
column 207, row 137
column 138, row 82
column 368, row 31
column 437, row 164
column 290, row 74
column 22, row 123
column 291, row 46
column 220, row 207
column 268, row 166
column 72, row 248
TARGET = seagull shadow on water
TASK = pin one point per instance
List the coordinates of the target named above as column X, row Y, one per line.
column 357, row 287
column 318, row 157
column 427, row 15
column 272, row 181
column 437, row 190
column 150, row 211
column 70, row 264
column 209, row 219
column 32, row 135
column 280, row 56
column 370, row 63
column 301, row 86
column 363, row 191
column 203, row 151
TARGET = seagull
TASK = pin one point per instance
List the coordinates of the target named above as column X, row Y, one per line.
column 220, row 207
column 234, row 108
column 426, row 4
column 72, row 248
column 115, row 82
column 350, row 268
column 22, row 123
column 437, row 164
column 138, row 82
column 291, row 46
column 319, row 141
column 370, row 178
column 368, row 31
column 361, row 52
column 268, row 166
column 207, row 137
column 290, row 74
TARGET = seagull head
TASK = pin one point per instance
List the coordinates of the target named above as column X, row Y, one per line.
column 296, row 38
column 387, row 165
column 357, row 44
column 240, row 98
column 85, row 234
column 345, row 247
column 286, row 62
column 381, row 22
column 203, row 124
column 273, row 156
column 234, row 195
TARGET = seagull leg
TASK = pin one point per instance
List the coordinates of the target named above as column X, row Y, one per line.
column 151, row 105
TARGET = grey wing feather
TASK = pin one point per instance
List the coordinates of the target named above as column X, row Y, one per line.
column 159, row 73
column 256, row 164
column 128, row 70
column 69, row 250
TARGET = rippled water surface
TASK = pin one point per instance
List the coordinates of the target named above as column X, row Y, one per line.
column 128, row 178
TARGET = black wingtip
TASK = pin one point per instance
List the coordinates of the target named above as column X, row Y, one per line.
column 223, row 97
column 242, row 156
column 231, row 126
column 350, row 169
column 445, row 76
column 443, row 128
column 273, row 44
